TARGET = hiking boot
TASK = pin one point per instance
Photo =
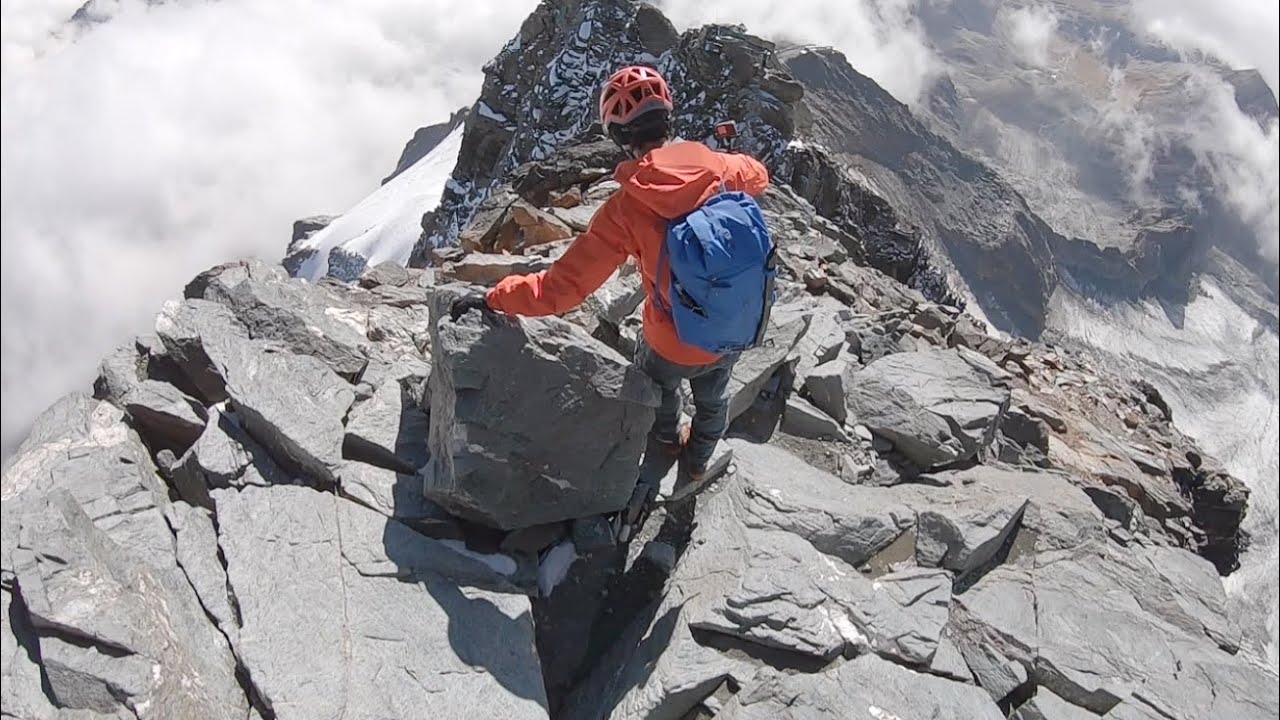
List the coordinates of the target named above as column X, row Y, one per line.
column 697, row 471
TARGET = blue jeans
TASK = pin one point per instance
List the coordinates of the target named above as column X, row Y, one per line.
column 710, row 386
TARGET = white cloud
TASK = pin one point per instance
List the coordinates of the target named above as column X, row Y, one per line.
column 147, row 148
column 1030, row 30
column 881, row 38
column 1242, row 158
column 1244, row 33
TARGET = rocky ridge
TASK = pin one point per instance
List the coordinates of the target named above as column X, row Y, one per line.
column 300, row 500
column 268, row 495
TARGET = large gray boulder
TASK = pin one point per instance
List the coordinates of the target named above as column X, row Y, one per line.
column 532, row 420
column 1098, row 631
column 935, row 406
column 83, row 446
column 775, row 589
column 864, row 687
column 964, row 522
column 193, row 333
column 115, row 633
column 824, row 385
column 164, row 415
column 308, row 319
column 294, row 405
column 771, row 579
column 348, row 617
column 850, row 522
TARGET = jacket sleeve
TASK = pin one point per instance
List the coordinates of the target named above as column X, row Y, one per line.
column 746, row 173
column 584, row 267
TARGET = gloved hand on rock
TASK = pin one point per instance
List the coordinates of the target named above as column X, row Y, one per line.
column 473, row 300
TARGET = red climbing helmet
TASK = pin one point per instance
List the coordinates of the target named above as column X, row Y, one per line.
column 631, row 92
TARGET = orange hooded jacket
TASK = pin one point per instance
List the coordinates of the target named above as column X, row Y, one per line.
column 667, row 183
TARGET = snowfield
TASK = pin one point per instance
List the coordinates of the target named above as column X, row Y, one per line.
column 386, row 224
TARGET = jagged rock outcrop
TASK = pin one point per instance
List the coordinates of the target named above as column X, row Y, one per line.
column 496, row 456
column 540, row 94
column 290, row 577
column 424, row 140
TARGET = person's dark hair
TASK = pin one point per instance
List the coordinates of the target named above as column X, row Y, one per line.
column 651, row 127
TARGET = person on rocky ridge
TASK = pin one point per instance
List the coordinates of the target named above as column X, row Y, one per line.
column 665, row 178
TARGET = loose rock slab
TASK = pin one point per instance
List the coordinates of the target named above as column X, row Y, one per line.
column 386, row 636
column 865, row 687
column 935, row 406
column 117, row 634
column 293, row 404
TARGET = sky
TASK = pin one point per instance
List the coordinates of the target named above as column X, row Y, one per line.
column 139, row 151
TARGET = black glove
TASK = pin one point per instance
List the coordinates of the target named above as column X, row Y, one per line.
column 474, row 300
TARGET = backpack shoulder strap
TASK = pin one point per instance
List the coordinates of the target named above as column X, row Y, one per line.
column 662, row 275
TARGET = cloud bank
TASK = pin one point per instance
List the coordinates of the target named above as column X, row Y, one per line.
column 881, row 38
column 139, row 151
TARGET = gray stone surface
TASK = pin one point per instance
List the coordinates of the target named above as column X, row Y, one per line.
column 392, row 638
column 308, row 319
column 851, row 522
column 947, row 661
column 864, row 687
column 1093, row 630
column 223, row 456
column 757, row 365
column 194, row 332
column 394, row 494
column 936, row 406
column 802, row 419
column 963, row 523
column 83, row 445
column 164, row 415
column 116, row 632
column 532, row 420
column 21, row 696
column 1047, row 706
column 121, row 370
column 294, row 405
column 388, row 429
column 197, row 552
column 825, row 387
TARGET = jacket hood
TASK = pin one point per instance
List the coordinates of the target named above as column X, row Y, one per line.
column 672, row 180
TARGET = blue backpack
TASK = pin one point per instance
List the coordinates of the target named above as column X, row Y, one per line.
column 722, row 270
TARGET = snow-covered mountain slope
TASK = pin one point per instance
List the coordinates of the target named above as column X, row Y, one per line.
column 1217, row 370
column 385, row 225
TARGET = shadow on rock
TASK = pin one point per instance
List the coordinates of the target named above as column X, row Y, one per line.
column 491, row 629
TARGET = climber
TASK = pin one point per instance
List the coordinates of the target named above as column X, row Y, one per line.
column 664, row 179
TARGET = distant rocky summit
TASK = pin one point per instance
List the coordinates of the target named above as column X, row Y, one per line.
column 329, row 500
